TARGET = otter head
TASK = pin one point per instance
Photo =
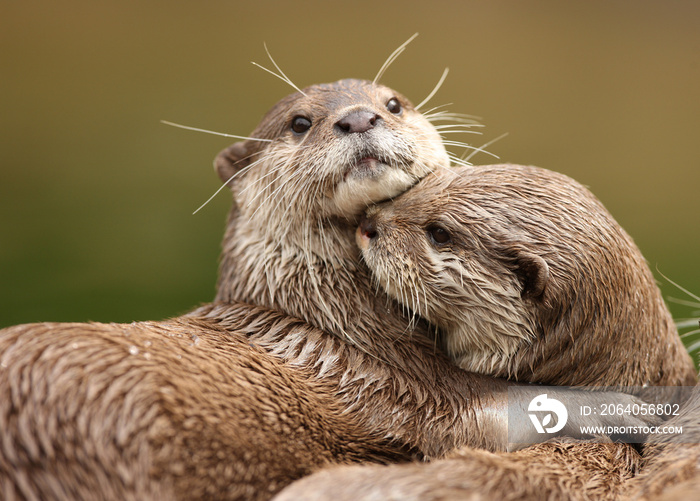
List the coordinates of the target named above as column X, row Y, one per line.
column 445, row 257
column 328, row 152
column 527, row 276
column 321, row 156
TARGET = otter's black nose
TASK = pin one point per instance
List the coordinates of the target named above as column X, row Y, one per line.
column 367, row 228
column 357, row 121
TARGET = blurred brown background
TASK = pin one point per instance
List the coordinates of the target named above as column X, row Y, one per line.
column 96, row 195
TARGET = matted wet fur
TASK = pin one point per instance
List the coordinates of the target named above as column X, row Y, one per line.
column 528, row 276
column 180, row 409
column 671, row 469
column 557, row 471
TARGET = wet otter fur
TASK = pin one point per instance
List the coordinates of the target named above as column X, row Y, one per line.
column 180, row 409
column 671, row 469
column 553, row 471
column 527, row 276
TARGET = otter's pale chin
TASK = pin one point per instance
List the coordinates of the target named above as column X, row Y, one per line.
column 356, row 192
column 366, row 168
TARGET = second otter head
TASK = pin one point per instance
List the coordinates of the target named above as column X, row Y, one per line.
column 527, row 276
column 449, row 259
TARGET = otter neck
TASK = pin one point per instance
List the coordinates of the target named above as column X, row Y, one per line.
column 329, row 289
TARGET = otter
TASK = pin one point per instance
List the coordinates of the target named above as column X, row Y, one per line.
column 303, row 363
column 529, row 277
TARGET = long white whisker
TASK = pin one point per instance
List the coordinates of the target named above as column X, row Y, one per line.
column 392, row 58
column 454, row 160
column 278, row 76
column 693, row 347
column 474, row 150
column 481, row 148
column 477, row 132
column 459, row 144
column 435, row 89
column 691, row 333
column 281, row 75
column 464, row 126
column 245, row 169
column 683, row 302
column 212, row 197
column 434, row 110
column 678, row 286
column 454, row 117
column 187, row 127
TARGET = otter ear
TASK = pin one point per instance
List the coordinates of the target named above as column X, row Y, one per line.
column 232, row 160
column 533, row 272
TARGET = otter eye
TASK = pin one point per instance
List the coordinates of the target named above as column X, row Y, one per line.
column 394, row 106
column 438, row 235
column 300, row 124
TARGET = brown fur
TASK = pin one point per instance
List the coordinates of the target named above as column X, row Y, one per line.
column 672, row 462
column 181, row 409
column 537, row 276
column 534, row 257
column 544, row 471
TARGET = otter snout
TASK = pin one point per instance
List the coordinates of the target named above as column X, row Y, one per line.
column 366, row 231
column 357, row 121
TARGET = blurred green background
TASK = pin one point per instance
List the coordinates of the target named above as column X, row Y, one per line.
column 96, row 195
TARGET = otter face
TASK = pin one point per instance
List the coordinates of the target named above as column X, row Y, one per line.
column 457, row 263
column 526, row 275
column 331, row 152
